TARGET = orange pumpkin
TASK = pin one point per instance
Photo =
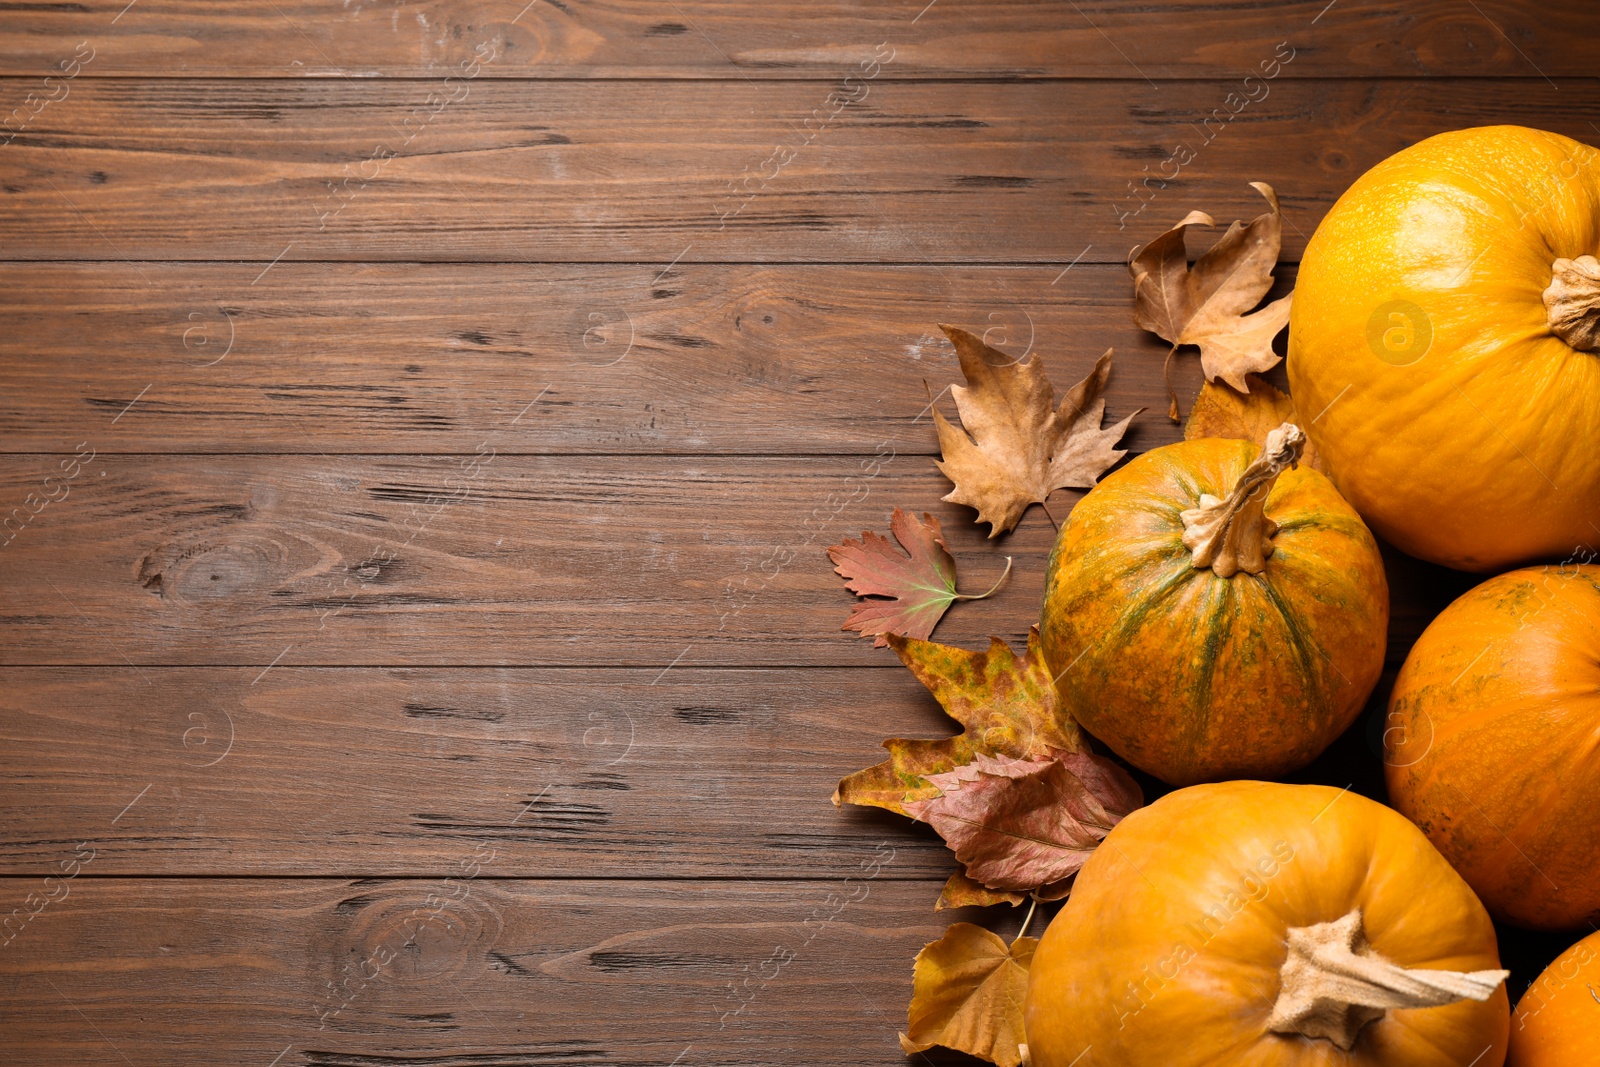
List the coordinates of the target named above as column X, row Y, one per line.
column 1492, row 743
column 1557, row 1022
column 1446, row 326
column 1212, row 611
column 1251, row 924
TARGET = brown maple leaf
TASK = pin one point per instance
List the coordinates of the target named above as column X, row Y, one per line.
column 1022, row 448
column 918, row 584
column 1022, row 824
column 967, row 994
column 1219, row 411
column 1207, row 305
column 1006, row 706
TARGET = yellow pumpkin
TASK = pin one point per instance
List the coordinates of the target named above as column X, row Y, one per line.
column 1492, row 743
column 1446, row 329
column 1251, row 924
column 1557, row 1022
column 1213, row 612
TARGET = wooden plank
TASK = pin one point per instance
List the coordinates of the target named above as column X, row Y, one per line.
column 229, row 770
column 785, row 38
column 669, row 172
column 539, row 561
column 331, row 358
column 376, row 973
column 232, row 771
column 529, row 561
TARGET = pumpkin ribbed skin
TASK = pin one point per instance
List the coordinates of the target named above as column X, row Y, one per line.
column 1194, row 677
column 1557, row 1022
column 1492, row 743
column 1167, row 953
column 1463, row 450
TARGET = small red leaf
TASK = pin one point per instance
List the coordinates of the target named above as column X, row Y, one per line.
column 920, row 582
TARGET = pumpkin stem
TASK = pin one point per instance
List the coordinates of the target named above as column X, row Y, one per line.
column 1573, row 302
column 1332, row 984
column 1231, row 535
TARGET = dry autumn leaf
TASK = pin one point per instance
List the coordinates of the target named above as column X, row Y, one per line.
column 919, row 583
column 1022, row 447
column 962, row 892
column 1007, row 707
column 967, row 994
column 1024, row 824
column 1207, row 305
column 1219, row 411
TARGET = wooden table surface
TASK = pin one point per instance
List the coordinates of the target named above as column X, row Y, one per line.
column 433, row 659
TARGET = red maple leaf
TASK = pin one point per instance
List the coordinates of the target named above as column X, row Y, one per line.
column 909, row 590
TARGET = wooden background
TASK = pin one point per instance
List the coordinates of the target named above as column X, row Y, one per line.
column 459, row 463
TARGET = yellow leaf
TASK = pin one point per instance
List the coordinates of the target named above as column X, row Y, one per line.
column 967, row 994
column 961, row 891
column 1006, row 705
column 1219, row 411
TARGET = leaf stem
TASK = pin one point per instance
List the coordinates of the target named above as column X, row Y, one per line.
column 1026, row 919
column 992, row 588
column 1052, row 518
column 1172, row 394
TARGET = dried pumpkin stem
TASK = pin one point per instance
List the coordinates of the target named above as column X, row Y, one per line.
column 1572, row 302
column 1233, row 534
column 1332, row 984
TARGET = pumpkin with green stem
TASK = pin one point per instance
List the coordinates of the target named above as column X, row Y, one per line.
column 1215, row 610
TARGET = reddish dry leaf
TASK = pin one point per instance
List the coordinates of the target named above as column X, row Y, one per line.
column 967, row 994
column 1219, row 411
column 1022, row 448
column 919, row 583
column 1208, row 304
column 1007, row 707
column 1022, row 824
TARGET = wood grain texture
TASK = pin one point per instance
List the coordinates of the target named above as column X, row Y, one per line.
column 680, row 772
column 786, row 38
column 625, row 774
column 667, row 172
column 477, row 972
column 562, row 754
column 530, row 561
column 705, row 359
column 553, row 561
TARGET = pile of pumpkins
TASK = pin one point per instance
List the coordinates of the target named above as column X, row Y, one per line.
column 1218, row 614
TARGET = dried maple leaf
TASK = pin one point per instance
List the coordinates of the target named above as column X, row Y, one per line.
column 1022, row 824
column 1022, row 448
column 1219, row 411
column 920, row 583
column 1207, row 305
column 1007, row 707
column 967, row 994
